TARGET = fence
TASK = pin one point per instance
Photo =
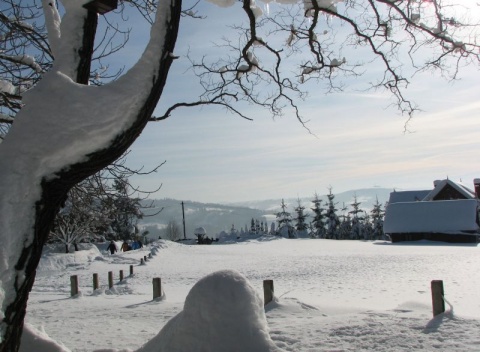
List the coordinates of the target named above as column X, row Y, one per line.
column 438, row 295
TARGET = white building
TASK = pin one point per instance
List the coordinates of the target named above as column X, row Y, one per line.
column 449, row 212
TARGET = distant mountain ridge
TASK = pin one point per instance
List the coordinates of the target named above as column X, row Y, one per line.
column 366, row 196
column 220, row 217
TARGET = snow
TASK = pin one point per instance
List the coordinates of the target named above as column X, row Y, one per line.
column 329, row 296
column 222, row 310
column 6, row 87
column 407, row 196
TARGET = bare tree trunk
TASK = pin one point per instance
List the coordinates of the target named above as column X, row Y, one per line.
column 54, row 191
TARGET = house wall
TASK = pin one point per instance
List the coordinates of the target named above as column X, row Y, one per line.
column 443, row 216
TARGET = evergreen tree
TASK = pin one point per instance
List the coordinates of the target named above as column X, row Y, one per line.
column 368, row 228
column 301, row 224
column 318, row 222
column 331, row 215
column 377, row 215
column 234, row 232
column 345, row 228
column 284, row 220
column 252, row 227
column 272, row 228
column 357, row 220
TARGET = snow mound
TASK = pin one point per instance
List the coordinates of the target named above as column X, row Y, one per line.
column 38, row 341
column 221, row 312
column 52, row 260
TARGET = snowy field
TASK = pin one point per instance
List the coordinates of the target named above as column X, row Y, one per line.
column 330, row 296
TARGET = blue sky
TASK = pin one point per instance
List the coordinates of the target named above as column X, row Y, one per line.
column 357, row 141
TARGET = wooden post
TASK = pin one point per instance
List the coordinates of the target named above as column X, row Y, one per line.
column 73, row 285
column 438, row 303
column 121, row 275
column 131, row 270
column 267, row 291
column 141, row 261
column 157, row 287
column 145, row 258
column 110, row 279
column 95, row 282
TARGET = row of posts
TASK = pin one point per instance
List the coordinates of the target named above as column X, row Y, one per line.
column 157, row 283
column 438, row 300
column 145, row 259
column 157, row 289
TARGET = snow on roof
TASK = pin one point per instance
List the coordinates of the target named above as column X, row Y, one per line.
column 407, row 196
column 460, row 187
column 443, row 216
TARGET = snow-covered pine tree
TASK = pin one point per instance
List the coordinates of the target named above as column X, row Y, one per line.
column 318, row 222
column 357, row 220
column 332, row 221
column 284, row 219
column 345, row 227
column 367, row 227
column 301, row 224
column 377, row 216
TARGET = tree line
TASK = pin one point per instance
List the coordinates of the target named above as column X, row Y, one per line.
column 325, row 221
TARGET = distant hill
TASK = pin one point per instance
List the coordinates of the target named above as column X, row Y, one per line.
column 220, row 217
column 366, row 196
column 213, row 217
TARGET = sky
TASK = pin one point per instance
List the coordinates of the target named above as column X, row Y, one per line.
column 356, row 139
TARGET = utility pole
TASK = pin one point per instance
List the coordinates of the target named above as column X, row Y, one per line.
column 183, row 213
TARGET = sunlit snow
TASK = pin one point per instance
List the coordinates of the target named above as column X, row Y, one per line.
column 329, row 296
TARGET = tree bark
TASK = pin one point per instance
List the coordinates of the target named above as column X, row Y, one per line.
column 54, row 191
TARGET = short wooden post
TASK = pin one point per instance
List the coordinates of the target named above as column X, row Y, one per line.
column 267, row 291
column 131, row 270
column 121, row 275
column 95, row 282
column 157, row 287
column 110, row 279
column 145, row 258
column 141, row 261
column 438, row 303
column 73, row 285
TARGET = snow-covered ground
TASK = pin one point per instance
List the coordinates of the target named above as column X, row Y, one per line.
column 330, row 296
